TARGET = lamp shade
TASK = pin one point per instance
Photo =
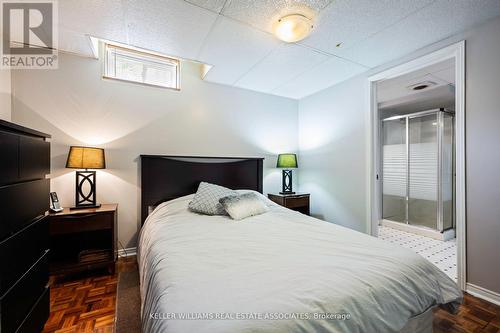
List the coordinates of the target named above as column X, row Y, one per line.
column 86, row 158
column 287, row 161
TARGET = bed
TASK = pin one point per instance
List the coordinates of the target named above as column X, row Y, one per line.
column 276, row 272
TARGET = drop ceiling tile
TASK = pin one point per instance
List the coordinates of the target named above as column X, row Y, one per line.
column 262, row 13
column 438, row 21
column 372, row 32
column 322, row 76
column 105, row 19
column 348, row 22
column 173, row 27
column 233, row 48
column 282, row 65
column 213, row 5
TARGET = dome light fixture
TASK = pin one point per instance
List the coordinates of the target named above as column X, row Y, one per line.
column 292, row 28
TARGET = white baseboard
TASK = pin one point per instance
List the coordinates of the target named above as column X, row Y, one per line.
column 483, row 293
column 131, row 251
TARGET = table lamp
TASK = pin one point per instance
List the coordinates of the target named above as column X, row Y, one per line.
column 85, row 158
column 287, row 162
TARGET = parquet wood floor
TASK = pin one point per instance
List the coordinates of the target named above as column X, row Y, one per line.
column 474, row 316
column 88, row 305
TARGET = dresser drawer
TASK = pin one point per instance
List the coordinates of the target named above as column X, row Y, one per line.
column 23, row 158
column 17, row 303
column 293, row 202
column 20, row 251
column 9, row 162
column 38, row 315
column 23, row 203
column 66, row 224
column 34, row 158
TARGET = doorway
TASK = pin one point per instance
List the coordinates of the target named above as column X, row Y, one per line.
column 417, row 169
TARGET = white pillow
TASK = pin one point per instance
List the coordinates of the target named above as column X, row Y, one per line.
column 241, row 206
column 262, row 197
column 206, row 199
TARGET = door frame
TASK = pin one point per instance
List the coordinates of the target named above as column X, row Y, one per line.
column 457, row 52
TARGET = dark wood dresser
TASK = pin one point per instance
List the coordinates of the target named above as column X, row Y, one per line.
column 24, row 198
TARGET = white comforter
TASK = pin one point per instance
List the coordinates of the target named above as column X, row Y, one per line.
column 275, row 272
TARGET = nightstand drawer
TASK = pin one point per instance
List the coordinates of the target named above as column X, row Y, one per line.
column 66, row 224
column 293, row 202
column 298, row 201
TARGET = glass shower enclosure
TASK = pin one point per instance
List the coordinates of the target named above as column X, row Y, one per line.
column 418, row 169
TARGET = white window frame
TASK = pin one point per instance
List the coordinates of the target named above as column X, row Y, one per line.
column 147, row 56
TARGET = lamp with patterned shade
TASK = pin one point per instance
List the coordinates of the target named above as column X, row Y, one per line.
column 85, row 158
column 287, row 162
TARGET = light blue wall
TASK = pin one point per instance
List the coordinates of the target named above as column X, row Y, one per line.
column 333, row 155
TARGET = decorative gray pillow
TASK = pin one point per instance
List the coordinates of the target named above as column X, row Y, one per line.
column 206, row 199
column 240, row 206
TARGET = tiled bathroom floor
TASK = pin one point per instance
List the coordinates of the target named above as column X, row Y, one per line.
column 442, row 254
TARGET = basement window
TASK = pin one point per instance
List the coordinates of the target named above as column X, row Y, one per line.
column 140, row 67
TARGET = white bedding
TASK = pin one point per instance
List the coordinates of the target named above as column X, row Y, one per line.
column 280, row 263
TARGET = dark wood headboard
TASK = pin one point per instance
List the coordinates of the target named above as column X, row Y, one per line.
column 168, row 177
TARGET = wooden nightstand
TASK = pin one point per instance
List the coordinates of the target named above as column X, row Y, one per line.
column 83, row 239
column 298, row 201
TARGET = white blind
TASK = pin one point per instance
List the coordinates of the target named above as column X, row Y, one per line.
column 394, row 170
column 135, row 66
column 423, row 171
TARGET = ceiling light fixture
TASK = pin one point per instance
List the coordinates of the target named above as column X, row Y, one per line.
column 292, row 28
